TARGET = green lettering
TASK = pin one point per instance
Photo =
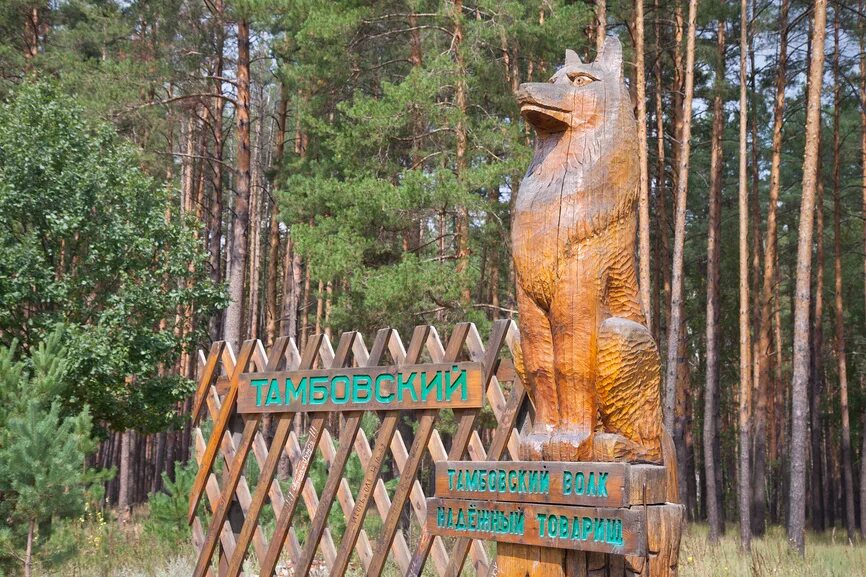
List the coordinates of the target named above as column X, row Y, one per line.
column 602, row 484
column 407, row 384
column 460, row 382
column 361, row 383
column 317, row 385
column 273, row 393
column 541, row 517
column 334, row 390
column 298, row 391
column 451, row 473
column 435, row 385
column 379, row 380
column 258, row 384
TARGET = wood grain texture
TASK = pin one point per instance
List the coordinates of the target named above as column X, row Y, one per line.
column 302, row 469
column 620, row 531
column 219, row 428
column 591, row 364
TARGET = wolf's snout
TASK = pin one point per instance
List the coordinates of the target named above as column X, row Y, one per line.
column 543, row 105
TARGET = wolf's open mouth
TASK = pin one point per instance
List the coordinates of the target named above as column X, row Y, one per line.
column 544, row 119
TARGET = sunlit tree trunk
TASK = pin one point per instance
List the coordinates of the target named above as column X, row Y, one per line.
column 462, row 223
column 765, row 357
column 863, row 184
column 600, row 24
column 744, row 492
column 643, row 197
column 800, row 377
column 842, row 368
column 240, row 221
column 711, row 389
column 680, row 226
column 271, row 293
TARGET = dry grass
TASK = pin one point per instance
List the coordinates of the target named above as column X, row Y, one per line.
column 129, row 552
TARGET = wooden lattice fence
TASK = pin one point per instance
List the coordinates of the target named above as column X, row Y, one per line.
column 226, row 512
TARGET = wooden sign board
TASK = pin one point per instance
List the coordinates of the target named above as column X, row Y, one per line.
column 618, row 531
column 589, row 484
column 429, row 386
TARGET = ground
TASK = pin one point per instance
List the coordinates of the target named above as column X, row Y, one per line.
column 108, row 551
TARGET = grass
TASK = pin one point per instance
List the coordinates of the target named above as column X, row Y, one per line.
column 827, row 555
column 108, row 550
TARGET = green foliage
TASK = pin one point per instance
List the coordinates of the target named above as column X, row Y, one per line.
column 168, row 508
column 43, row 478
column 85, row 242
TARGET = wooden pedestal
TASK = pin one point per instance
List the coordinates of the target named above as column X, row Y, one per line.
column 664, row 527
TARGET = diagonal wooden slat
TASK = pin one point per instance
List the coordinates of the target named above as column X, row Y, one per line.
column 269, row 468
column 206, row 376
column 372, row 469
column 225, row 501
column 410, row 471
column 465, row 424
column 347, row 438
column 299, row 477
column 219, row 429
column 228, row 448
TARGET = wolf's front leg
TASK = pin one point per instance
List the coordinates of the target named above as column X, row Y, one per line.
column 574, row 322
column 537, row 347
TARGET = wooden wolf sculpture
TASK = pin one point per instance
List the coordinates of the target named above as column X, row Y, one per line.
column 591, row 364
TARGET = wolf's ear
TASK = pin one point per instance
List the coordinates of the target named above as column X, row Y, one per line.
column 610, row 57
column 571, row 57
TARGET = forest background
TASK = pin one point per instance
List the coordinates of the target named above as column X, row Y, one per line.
column 174, row 172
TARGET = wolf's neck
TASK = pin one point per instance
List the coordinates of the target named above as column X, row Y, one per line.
column 561, row 162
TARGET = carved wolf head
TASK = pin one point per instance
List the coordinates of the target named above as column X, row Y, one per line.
column 578, row 96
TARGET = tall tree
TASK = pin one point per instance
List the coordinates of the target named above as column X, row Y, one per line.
column 744, row 492
column 643, row 196
column 800, row 377
column 241, row 217
column 765, row 345
column 841, row 361
column 711, row 389
column 676, row 316
column 862, row 34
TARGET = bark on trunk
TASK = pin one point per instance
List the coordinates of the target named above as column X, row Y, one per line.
column 744, row 492
column 711, row 389
column 800, row 378
column 271, row 295
column 124, row 476
column 240, row 222
column 765, row 346
column 460, row 134
column 28, row 551
column 680, row 227
column 863, row 168
column 643, row 197
column 842, row 368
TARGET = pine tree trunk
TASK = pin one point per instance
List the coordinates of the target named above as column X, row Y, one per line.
column 744, row 492
column 820, row 473
column 123, row 492
column 272, row 306
column 240, row 221
column 255, row 227
column 847, row 468
column 643, row 197
column 600, row 24
column 800, row 377
column 28, row 551
column 711, row 390
column 863, row 178
column 215, row 214
column 662, row 253
column 680, row 227
column 764, row 352
column 460, row 133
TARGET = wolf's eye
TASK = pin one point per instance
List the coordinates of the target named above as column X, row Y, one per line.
column 581, row 78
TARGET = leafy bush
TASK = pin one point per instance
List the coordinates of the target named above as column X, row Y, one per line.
column 168, row 508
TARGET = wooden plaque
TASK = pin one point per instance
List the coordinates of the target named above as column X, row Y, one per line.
column 428, row 386
column 604, row 530
column 589, row 484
